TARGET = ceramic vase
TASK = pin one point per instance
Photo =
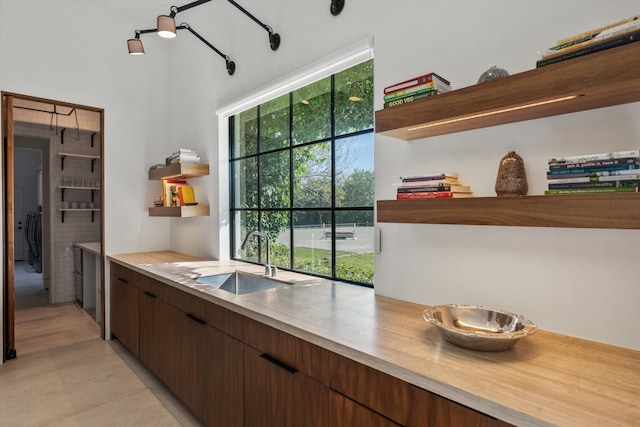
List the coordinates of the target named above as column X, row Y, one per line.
column 512, row 178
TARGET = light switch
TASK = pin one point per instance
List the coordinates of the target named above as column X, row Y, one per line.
column 376, row 240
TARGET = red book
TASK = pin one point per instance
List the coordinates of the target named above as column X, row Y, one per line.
column 432, row 195
column 415, row 82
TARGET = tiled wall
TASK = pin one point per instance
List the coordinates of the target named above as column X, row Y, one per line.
column 77, row 226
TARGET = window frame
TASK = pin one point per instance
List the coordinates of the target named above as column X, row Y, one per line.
column 291, row 209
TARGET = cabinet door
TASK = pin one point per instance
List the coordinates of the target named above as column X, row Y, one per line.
column 158, row 346
column 222, row 381
column 345, row 412
column 277, row 395
column 376, row 390
column 124, row 313
column 187, row 374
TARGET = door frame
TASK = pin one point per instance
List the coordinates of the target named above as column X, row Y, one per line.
column 8, row 219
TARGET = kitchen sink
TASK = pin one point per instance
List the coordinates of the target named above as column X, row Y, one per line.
column 239, row 283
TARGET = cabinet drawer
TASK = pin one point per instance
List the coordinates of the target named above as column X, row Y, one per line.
column 376, row 390
column 120, row 272
column 227, row 321
column 299, row 354
column 400, row 401
column 219, row 317
column 127, row 275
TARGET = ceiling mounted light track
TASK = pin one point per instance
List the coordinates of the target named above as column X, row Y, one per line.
column 136, row 48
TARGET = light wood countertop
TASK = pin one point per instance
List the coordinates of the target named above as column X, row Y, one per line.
column 546, row 379
column 93, row 247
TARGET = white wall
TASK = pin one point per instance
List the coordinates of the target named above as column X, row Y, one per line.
column 75, row 51
column 577, row 282
column 565, row 280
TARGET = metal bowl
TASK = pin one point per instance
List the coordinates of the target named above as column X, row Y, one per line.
column 479, row 328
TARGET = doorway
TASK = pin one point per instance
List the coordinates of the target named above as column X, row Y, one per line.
column 43, row 221
column 32, row 263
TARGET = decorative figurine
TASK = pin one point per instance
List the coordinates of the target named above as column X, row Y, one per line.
column 493, row 73
column 512, row 178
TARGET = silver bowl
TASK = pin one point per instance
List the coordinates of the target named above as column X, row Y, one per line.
column 479, row 328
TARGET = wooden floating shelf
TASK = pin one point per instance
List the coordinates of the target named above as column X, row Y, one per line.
column 600, row 79
column 618, row 211
column 179, row 171
column 180, row 211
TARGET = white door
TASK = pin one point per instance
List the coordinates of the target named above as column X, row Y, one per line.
column 19, row 225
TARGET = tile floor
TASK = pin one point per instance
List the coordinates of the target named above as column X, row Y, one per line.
column 65, row 375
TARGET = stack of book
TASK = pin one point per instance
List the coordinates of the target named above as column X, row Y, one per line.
column 612, row 35
column 183, row 155
column 177, row 192
column 443, row 185
column 414, row 89
column 595, row 173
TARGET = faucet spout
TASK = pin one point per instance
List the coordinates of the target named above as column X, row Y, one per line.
column 269, row 270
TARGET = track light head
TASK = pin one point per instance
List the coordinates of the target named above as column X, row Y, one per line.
column 336, row 7
column 135, row 45
column 166, row 26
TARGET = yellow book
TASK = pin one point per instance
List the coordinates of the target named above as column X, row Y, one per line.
column 186, row 196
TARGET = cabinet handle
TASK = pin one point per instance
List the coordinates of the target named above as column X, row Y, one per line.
column 197, row 319
column 149, row 294
column 277, row 362
column 122, row 280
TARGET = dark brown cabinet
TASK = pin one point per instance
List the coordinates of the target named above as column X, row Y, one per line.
column 345, row 412
column 283, row 380
column 223, row 380
column 398, row 400
column 124, row 308
column 168, row 330
column 157, row 335
column 233, row 371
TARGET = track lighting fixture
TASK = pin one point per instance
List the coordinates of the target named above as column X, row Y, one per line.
column 136, row 48
column 274, row 38
column 167, row 28
column 231, row 66
column 336, row 7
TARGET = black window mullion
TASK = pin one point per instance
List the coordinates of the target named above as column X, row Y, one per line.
column 333, row 177
column 232, row 199
column 291, row 183
column 259, row 179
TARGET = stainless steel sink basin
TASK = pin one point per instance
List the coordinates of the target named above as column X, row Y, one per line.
column 239, row 283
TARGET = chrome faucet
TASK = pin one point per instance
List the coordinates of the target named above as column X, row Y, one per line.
column 269, row 270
